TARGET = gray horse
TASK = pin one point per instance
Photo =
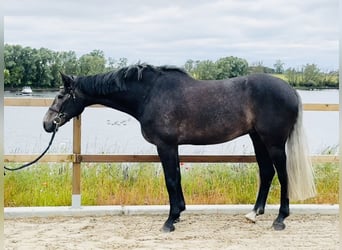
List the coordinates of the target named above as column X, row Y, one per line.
column 174, row 109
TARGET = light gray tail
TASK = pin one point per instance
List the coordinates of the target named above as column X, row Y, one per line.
column 301, row 183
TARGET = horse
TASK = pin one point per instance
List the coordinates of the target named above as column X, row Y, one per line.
column 175, row 109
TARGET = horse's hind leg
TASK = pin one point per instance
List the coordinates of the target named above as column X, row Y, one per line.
column 266, row 173
column 278, row 156
column 170, row 161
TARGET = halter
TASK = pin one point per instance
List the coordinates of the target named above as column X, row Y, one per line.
column 59, row 113
column 58, row 118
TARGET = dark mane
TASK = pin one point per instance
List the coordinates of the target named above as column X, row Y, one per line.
column 113, row 81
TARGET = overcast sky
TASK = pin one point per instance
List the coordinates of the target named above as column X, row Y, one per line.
column 170, row 32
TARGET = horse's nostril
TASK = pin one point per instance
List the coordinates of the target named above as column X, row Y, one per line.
column 57, row 120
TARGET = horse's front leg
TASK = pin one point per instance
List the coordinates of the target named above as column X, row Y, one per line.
column 170, row 161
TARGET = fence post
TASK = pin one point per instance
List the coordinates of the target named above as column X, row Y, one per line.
column 76, row 165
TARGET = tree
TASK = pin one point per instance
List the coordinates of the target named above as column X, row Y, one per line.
column 44, row 59
column 92, row 63
column 190, row 66
column 330, row 79
column 28, row 60
column 205, row 70
column 13, row 63
column 7, row 77
column 231, row 66
column 279, row 67
column 68, row 62
column 311, row 75
column 111, row 62
column 292, row 76
column 123, row 62
column 116, row 64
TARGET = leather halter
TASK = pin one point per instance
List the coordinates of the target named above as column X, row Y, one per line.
column 59, row 113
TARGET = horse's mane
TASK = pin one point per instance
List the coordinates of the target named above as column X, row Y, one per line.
column 113, row 81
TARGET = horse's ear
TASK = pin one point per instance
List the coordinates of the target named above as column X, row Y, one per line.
column 67, row 80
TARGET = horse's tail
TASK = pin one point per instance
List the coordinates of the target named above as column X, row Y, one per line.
column 299, row 168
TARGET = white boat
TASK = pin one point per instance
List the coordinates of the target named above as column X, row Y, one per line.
column 26, row 90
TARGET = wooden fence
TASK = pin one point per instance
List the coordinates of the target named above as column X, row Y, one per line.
column 76, row 158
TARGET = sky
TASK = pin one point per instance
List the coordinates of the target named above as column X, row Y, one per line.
column 168, row 32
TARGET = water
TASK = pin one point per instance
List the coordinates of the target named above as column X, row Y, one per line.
column 107, row 131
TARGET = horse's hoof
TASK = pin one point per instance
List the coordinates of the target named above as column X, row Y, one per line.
column 167, row 228
column 251, row 217
column 278, row 226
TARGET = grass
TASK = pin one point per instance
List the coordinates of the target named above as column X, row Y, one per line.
column 141, row 184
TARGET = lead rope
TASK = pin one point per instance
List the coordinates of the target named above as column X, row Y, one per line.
column 56, row 121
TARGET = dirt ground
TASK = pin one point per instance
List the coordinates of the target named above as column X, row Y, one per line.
column 218, row 231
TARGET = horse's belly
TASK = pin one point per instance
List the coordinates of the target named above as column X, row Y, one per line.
column 210, row 137
column 194, row 137
column 196, row 131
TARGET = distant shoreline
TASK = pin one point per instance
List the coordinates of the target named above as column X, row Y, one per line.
column 13, row 90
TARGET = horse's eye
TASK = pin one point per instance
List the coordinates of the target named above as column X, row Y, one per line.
column 60, row 96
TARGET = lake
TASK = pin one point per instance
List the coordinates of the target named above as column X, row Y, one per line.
column 106, row 131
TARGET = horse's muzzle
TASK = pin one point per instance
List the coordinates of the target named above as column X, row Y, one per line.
column 49, row 126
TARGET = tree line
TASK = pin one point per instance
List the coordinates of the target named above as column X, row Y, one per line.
column 39, row 68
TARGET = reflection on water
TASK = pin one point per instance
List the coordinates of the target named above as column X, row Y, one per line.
column 106, row 130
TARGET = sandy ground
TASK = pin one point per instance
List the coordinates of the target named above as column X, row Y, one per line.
column 218, row 231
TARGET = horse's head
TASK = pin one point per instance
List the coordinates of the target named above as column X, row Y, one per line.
column 66, row 105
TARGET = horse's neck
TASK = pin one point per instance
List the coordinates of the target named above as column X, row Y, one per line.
column 125, row 101
column 127, row 97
